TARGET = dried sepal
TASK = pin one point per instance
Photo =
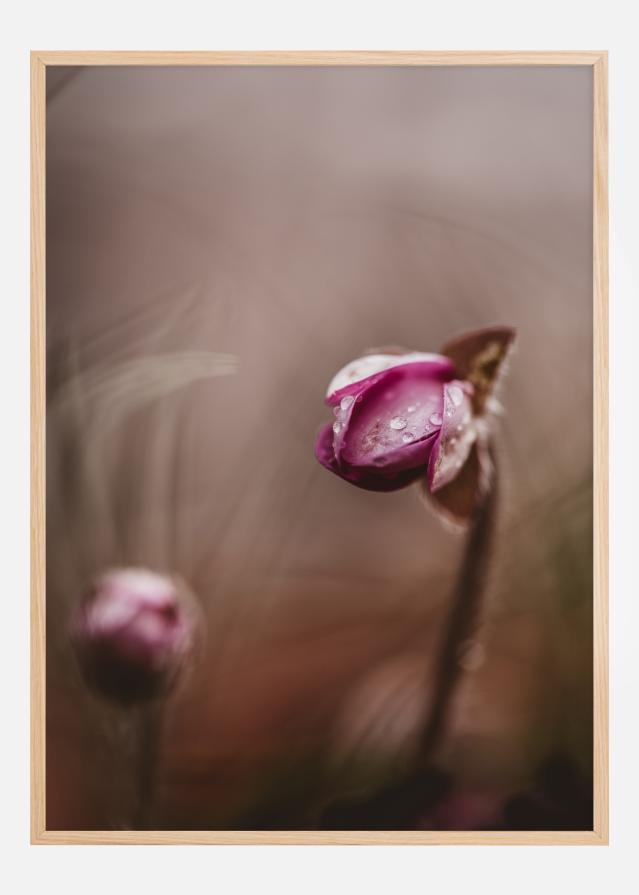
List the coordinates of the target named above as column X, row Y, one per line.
column 479, row 358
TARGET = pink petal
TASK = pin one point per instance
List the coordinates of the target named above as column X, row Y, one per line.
column 459, row 500
column 456, row 437
column 370, row 479
column 357, row 375
column 393, row 426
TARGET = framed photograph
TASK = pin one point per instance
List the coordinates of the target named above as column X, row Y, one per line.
column 319, row 447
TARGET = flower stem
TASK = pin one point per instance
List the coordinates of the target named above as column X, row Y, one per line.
column 464, row 616
column 149, row 733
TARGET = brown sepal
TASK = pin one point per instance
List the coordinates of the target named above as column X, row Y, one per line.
column 479, row 357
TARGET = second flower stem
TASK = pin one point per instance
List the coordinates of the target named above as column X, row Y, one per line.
column 149, row 734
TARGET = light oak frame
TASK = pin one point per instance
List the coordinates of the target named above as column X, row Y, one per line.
column 598, row 62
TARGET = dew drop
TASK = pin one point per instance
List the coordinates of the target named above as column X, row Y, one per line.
column 347, row 402
column 456, row 395
column 435, row 419
column 411, row 408
column 337, row 427
column 398, row 422
column 407, row 437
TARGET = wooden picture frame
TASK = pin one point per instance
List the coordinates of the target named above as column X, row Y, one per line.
column 597, row 62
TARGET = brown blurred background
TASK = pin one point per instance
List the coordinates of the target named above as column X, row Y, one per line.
column 219, row 242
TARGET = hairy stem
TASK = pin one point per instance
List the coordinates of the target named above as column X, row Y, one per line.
column 464, row 616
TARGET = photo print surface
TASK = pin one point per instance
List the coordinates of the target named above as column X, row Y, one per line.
column 319, row 448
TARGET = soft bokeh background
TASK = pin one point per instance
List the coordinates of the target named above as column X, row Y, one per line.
column 219, row 242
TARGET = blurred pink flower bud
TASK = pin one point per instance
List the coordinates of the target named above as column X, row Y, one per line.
column 404, row 417
column 133, row 632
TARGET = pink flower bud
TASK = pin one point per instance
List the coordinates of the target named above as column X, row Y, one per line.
column 132, row 633
column 399, row 418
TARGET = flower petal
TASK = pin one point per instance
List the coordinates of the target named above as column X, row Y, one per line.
column 395, row 421
column 456, row 437
column 359, row 374
column 370, row 479
column 479, row 359
column 459, row 500
column 324, row 448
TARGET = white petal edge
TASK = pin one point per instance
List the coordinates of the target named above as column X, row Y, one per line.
column 370, row 364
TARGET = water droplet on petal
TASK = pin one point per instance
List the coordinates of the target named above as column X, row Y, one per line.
column 398, row 422
column 337, row 427
column 456, row 395
column 411, row 408
column 347, row 402
column 435, row 419
column 407, row 437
